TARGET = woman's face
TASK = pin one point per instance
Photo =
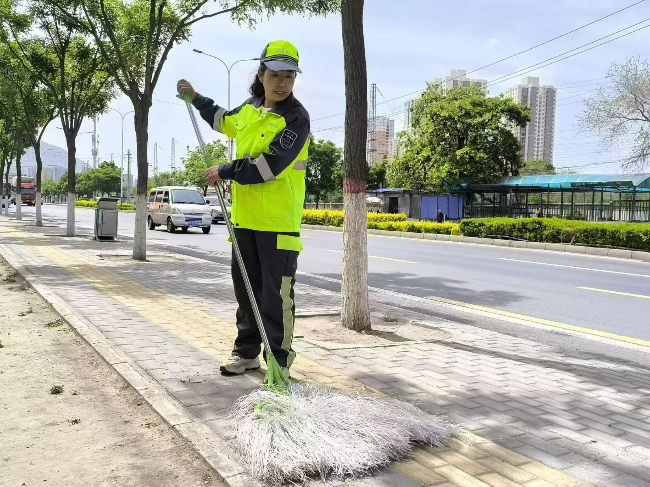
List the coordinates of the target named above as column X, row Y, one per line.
column 278, row 85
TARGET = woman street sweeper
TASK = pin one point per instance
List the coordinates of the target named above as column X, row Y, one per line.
column 271, row 130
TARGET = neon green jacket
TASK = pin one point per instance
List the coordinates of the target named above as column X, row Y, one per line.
column 268, row 174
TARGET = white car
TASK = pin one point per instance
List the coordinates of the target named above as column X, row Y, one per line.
column 178, row 207
column 215, row 207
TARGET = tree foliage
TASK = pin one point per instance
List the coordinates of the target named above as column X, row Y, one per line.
column 35, row 102
column 377, row 175
column 135, row 38
column 48, row 45
column 325, row 162
column 196, row 164
column 17, row 132
column 458, row 136
column 50, row 188
column 176, row 178
column 536, row 167
column 620, row 112
column 105, row 179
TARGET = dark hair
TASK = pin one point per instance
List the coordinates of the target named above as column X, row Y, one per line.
column 257, row 88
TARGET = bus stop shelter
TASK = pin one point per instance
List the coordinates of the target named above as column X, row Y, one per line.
column 592, row 197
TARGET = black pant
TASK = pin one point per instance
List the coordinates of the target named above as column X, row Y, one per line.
column 271, row 272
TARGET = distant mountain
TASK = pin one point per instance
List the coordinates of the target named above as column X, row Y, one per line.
column 55, row 162
column 52, row 155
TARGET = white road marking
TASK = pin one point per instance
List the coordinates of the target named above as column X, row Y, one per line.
column 576, row 267
column 375, row 257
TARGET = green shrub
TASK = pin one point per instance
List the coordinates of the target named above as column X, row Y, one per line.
column 415, row 227
column 93, row 204
column 333, row 218
column 555, row 230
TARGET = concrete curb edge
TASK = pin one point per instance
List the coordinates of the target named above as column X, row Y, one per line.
column 554, row 247
column 203, row 439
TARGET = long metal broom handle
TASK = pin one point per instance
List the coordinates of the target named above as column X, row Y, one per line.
column 220, row 191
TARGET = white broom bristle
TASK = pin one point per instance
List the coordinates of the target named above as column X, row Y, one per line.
column 313, row 430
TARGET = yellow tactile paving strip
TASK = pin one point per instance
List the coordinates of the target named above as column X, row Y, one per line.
column 482, row 464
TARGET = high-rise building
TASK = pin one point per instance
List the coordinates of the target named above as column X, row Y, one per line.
column 408, row 117
column 458, row 77
column 384, row 146
column 537, row 139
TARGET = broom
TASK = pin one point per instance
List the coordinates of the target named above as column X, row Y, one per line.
column 289, row 431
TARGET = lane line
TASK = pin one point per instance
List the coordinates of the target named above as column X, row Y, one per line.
column 542, row 321
column 376, row 257
column 619, row 293
column 575, row 267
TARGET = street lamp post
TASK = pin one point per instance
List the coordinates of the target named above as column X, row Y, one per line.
column 122, row 158
column 230, row 144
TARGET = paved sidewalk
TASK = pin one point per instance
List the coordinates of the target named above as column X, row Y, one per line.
column 541, row 416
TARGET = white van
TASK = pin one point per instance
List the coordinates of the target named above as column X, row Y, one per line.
column 178, row 207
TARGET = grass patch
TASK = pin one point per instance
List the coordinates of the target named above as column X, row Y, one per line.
column 56, row 390
column 55, row 324
column 389, row 318
column 11, row 278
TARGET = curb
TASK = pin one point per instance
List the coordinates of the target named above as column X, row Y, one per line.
column 214, row 449
column 638, row 255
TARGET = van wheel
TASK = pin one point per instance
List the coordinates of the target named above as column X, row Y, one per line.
column 184, row 229
column 171, row 228
column 152, row 226
column 206, row 230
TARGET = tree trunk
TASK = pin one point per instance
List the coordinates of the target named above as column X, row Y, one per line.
column 39, row 175
column 19, row 186
column 355, row 312
column 5, row 178
column 72, row 183
column 141, row 121
column 2, row 186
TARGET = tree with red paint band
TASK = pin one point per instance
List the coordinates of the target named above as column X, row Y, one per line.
column 355, row 311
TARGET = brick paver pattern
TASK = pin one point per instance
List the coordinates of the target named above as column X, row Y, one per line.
column 541, row 417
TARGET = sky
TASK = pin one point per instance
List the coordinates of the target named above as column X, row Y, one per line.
column 408, row 43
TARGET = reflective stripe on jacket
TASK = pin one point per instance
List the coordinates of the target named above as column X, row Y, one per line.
column 268, row 174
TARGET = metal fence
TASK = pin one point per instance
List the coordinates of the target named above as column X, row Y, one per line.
column 324, row 206
column 578, row 206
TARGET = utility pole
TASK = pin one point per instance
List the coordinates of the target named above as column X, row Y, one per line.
column 155, row 159
column 173, row 161
column 128, row 175
column 94, row 150
column 372, row 124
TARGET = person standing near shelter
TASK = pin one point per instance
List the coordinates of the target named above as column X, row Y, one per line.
column 271, row 130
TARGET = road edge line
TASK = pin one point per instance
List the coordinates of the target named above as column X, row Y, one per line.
column 584, row 250
column 638, row 343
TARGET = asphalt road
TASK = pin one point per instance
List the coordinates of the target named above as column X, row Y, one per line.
column 598, row 293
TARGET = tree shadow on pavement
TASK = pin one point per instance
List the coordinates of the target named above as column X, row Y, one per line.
column 453, row 289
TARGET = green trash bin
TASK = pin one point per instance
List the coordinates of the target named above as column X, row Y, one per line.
column 106, row 219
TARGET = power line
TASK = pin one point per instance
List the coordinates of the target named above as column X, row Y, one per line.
column 168, row 102
column 584, row 81
column 525, row 70
column 512, row 56
column 604, row 163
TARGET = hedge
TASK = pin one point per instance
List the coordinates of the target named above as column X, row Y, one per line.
column 93, row 204
column 555, row 230
column 335, row 218
column 417, row 227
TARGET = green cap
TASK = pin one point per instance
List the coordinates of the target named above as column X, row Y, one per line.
column 280, row 56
